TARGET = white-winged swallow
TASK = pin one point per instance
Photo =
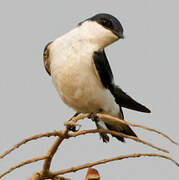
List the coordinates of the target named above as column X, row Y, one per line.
column 82, row 75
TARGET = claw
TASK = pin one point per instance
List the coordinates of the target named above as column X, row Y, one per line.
column 92, row 116
column 72, row 126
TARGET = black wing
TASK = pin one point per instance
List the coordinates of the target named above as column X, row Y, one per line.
column 106, row 76
column 103, row 69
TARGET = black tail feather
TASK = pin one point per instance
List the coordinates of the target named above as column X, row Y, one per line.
column 122, row 128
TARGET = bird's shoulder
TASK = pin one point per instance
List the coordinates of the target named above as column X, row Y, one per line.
column 46, row 58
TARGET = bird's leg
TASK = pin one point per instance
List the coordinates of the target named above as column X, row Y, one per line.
column 73, row 127
column 99, row 125
column 93, row 115
column 76, row 114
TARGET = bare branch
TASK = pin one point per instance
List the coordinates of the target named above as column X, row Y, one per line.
column 103, row 117
column 63, row 135
column 23, row 164
column 116, row 134
column 38, row 176
column 88, row 165
column 60, row 178
column 45, row 173
column 74, row 120
column 83, row 116
column 107, row 118
column 55, row 133
column 50, row 154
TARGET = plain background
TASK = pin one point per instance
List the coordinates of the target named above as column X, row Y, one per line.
column 145, row 65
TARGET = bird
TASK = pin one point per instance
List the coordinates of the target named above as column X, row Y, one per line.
column 81, row 73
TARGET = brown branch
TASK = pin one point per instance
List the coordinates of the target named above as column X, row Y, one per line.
column 37, row 176
column 45, row 173
column 109, row 118
column 23, row 164
column 83, row 116
column 38, row 136
column 60, row 178
column 48, row 157
column 115, row 134
column 88, row 165
column 113, row 119
column 50, row 154
column 35, row 137
column 74, row 120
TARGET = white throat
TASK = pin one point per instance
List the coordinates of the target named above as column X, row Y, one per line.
column 96, row 33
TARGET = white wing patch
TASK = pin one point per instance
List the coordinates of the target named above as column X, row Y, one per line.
column 97, row 74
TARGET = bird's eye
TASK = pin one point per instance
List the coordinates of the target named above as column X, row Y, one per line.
column 106, row 23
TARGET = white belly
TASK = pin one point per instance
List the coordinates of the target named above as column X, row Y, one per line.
column 76, row 82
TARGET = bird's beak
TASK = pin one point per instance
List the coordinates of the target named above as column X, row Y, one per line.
column 119, row 34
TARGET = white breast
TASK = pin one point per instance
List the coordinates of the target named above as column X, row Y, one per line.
column 74, row 76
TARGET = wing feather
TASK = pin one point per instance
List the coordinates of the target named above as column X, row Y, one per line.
column 106, row 76
column 46, row 58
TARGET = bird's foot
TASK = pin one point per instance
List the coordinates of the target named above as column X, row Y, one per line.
column 72, row 125
column 93, row 116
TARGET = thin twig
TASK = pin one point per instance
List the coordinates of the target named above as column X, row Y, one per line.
column 115, row 134
column 23, row 164
column 113, row 119
column 60, row 178
column 88, row 165
column 107, row 118
column 83, row 116
column 62, row 135
column 55, row 133
column 53, row 149
column 74, row 120
column 51, row 152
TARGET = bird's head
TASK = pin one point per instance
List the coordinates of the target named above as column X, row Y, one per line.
column 102, row 29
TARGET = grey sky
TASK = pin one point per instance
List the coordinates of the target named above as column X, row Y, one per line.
column 145, row 65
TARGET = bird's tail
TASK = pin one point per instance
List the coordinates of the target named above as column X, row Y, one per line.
column 119, row 127
column 101, row 125
column 122, row 128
